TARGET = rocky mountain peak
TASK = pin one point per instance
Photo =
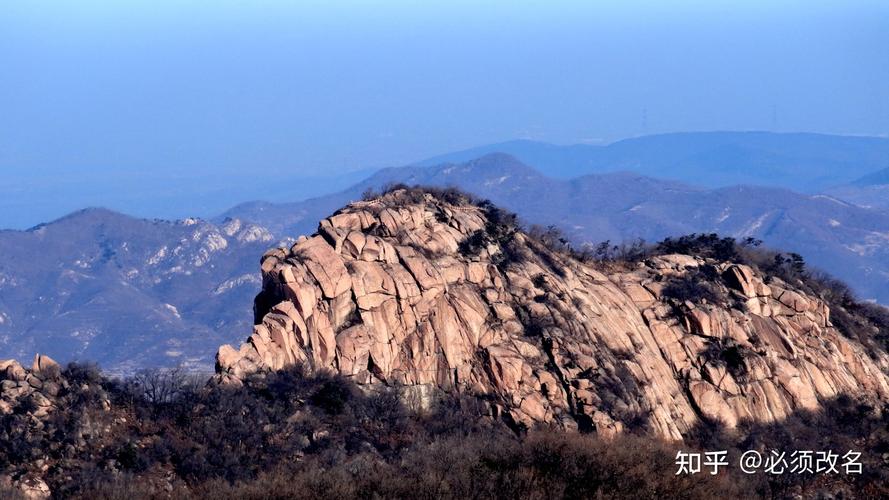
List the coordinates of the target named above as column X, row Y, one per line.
column 430, row 290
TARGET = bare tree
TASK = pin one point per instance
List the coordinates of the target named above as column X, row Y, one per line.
column 163, row 386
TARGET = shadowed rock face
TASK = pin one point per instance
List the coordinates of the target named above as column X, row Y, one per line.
column 392, row 292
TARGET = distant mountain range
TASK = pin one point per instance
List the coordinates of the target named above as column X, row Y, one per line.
column 129, row 292
column 848, row 241
column 125, row 292
column 801, row 162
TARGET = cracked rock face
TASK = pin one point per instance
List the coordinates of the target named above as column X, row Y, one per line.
column 388, row 292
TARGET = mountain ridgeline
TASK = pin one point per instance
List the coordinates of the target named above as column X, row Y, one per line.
column 423, row 343
column 870, row 191
column 802, row 162
column 845, row 240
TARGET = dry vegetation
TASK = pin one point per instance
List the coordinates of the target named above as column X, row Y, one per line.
column 292, row 435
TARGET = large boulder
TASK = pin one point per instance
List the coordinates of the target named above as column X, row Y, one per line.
column 45, row 367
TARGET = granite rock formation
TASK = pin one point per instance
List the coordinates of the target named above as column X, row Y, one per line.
column 428, row 291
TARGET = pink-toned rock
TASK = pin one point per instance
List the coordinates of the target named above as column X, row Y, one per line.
column 795, row 301
column 226, row 357
column 383, row 295
column 14, row 371
column 45, row 366
column 741, row 278
column 711, row 404
column 326, row 266
column 638, row 293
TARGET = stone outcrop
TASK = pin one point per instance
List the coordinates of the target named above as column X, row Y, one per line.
column 39, row 385
column 34, row 392
column 49, row 423
column 392, row 292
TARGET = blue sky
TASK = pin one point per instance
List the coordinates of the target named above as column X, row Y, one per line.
column 170, row 108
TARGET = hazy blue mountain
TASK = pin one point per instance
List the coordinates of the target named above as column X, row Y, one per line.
column 880, row 178
column 875, row 197
column 126, row 292
column 846, row 240
column 870, row 191
column 802, row 162
column 26, row 201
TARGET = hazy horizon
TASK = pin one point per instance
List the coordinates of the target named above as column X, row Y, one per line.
column 171, row 106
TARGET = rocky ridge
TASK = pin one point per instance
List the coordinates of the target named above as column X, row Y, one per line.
column 427, row 292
